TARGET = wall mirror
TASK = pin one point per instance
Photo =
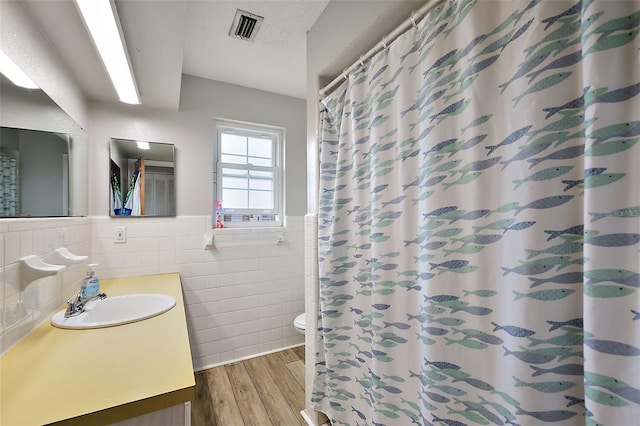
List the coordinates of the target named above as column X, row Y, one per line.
column 43, row 156
column 141, row 178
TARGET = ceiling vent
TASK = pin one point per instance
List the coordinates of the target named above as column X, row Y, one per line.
column 245, row 26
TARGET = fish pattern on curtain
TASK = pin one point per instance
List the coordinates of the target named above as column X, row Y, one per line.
column 479, row 221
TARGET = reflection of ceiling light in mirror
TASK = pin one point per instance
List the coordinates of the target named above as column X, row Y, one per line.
column 10, row 70
column 143, row 145
column 100, row 18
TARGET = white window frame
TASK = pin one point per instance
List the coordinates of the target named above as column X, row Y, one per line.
column 255, row 130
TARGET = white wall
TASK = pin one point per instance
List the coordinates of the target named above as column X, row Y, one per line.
column 345, row 31
column 241, row 300
column 192, row 131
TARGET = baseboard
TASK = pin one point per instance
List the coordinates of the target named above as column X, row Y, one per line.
column 206, row 367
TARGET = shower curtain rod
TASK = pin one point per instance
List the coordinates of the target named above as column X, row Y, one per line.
column 383, row 44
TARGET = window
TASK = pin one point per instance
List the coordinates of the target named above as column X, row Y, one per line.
column 248, row 181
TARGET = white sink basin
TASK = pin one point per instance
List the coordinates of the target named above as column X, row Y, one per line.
column 116, row 310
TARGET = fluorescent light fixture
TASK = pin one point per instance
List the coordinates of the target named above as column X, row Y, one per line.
column 100, row 18
column 10, row 70
column 143, row 145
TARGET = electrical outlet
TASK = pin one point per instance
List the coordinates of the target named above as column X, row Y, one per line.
column 120, row 235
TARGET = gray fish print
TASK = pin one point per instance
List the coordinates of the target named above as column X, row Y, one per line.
column 476, row 383
column 563, row 154
column 477, row 166
column 546, row 387
column 526, row 152
column 393, row 78
column 470, row 143
column 518, row 33
column 614, row 240
column 512, row 138
column 449, row 109
column 529, row 357
column 440, row 211
column 477, row 67
column 519, row 226
column 573, row 10
column 577, row 103
column 440, row 62
column 576, row 322
column 450, row 264
column 528, row 269
column 612, row 347
column 547, row 416
column 420, row 103
column 545, row 203
column 475, row 310
column 566, row 278
column 439, row 146
column 619, row 213
column 378, row 74
column 513, row 330
column 618, row 95
column 573, row 230
column 546, row 174
column 564, row 370
column 563, row 62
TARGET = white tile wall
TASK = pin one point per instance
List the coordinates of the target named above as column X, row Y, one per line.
column 23, row 305
column 241, row 297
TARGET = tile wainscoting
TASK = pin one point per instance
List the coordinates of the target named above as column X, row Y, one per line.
column 241, row 298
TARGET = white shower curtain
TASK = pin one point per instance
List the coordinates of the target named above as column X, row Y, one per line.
column 479, row 221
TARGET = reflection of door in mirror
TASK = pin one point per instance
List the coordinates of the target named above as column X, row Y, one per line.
column 115, row 190
column 159, row 192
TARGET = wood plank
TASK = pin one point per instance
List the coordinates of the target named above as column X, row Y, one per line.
column 247, row 398
column 275, row 403
column 297, row 370
column 202, row 409
column 286, row 382
column 223, row 400
column 288, row 355
column 299, row 350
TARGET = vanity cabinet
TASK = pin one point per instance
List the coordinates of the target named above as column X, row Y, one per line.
column 139, row 373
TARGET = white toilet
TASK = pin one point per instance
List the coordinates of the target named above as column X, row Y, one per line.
column 299, row 323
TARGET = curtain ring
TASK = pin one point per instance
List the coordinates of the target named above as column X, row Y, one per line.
column 384, row 43
column 361, row 61
column 413, row 20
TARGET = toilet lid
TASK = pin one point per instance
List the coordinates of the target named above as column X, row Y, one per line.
column 299, row 321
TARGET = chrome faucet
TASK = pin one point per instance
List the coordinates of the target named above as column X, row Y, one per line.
column 75, row 305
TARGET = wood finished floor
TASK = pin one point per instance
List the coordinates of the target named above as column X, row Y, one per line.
column 262, row 391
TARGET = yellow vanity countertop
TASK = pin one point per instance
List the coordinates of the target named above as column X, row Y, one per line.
column 104, row 375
